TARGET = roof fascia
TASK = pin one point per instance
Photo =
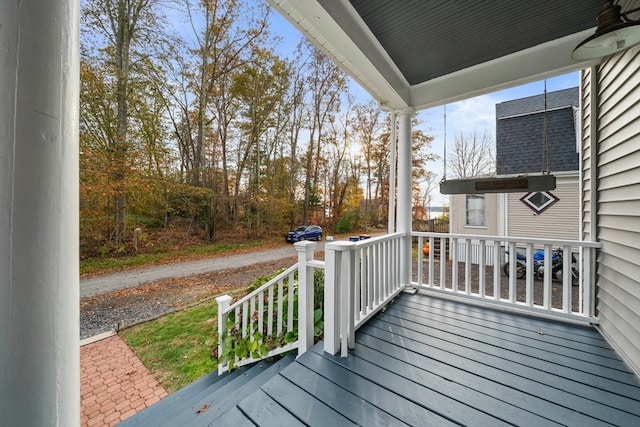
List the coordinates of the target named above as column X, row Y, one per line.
column 372, row 69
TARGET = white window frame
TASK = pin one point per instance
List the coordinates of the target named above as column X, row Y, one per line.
column 479, row 219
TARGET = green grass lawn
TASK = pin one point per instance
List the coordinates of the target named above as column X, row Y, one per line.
column 177, row 347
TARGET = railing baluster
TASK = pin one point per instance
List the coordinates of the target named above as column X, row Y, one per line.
column 360, row 289
column 548, row 262
column 245, row 310
column 496, row 268
column 529, row 276
column 280, row 308
column 482, row 268
column 467, row 266
column 251, row 311
column 270, row 311
column 443, row 262
column 431, row 261
column 290, row 282
column 513, row 265
column 261, row 312
column 377, row 266
column 566, row 278
column 420, row 259
column 454, row 264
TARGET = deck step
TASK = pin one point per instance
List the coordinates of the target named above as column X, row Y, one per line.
column 208, row 397
column 210, row 405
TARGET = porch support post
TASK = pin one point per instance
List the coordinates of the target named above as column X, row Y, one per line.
column 305, row 295
column 338, row 276
column 393, row 149
column 39, row 219
column 404, row 193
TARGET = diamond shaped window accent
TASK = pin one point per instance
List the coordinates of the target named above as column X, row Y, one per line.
column 539, row 201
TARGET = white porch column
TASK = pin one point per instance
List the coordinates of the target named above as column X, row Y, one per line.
column 404, row 192
column 39, row 283
column 391, row 222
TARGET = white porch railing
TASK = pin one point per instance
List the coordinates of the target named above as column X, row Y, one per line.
column 471, row 267
column 267, row 315
column 360, row 279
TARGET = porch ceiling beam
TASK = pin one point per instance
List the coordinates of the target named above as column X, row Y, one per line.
column 545, row 60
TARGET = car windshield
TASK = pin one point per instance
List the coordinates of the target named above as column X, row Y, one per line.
column 301, row 228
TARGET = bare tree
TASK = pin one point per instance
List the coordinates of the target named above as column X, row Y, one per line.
column 472, row 155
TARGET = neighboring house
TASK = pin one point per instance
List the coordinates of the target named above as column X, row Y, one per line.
column 520, row 145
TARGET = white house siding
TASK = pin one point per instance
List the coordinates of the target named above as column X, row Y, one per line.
column 618, row 198
column 559, row 221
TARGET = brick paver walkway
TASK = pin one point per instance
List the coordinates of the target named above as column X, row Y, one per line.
column 114, row 383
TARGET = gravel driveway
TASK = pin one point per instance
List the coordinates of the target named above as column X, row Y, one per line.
column 124, row 298
column 131, row 278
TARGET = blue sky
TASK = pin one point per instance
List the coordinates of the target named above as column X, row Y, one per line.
column 473, row 114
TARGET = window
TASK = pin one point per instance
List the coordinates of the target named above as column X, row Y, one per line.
column 475, row 210
column 539, row 201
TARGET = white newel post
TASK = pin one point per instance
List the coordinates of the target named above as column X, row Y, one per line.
column 337, row 279
column 305, row 295
column 404, row 193
column 224, row 301
column 39, row 213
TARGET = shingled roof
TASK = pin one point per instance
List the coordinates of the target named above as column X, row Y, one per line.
column 520, row 133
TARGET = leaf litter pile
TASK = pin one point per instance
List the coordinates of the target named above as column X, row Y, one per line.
column 126, row 307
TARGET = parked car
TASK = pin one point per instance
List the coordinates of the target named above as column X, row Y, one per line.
column 304, row 232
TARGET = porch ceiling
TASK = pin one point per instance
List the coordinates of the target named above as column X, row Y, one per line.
column 421, row 54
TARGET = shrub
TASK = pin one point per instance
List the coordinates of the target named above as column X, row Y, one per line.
column 345, row 223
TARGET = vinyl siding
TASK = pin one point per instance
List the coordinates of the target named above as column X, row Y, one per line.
column 618, row 197
column 459, row 218
column 587, row 160
column 560, row 221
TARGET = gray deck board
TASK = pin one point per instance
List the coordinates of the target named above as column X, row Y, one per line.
column 503, row 347
column 341, row 399
column 400, row 393
column 303, row 405
column 430, row 361
column 266, row 412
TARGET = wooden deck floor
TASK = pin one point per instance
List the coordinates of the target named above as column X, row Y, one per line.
column 427, row 361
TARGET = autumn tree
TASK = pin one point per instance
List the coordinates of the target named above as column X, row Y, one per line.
column 115, row 36
column 259, row 87
column 368, row 127
column 325, row 82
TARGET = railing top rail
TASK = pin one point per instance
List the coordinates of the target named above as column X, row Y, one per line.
column 343, row 245
column 513, row 239
column 377, row 239
column 265, row 286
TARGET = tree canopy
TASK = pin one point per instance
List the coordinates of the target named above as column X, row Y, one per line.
column 189, row 113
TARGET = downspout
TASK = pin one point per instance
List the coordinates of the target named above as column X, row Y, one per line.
column 39, row 213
